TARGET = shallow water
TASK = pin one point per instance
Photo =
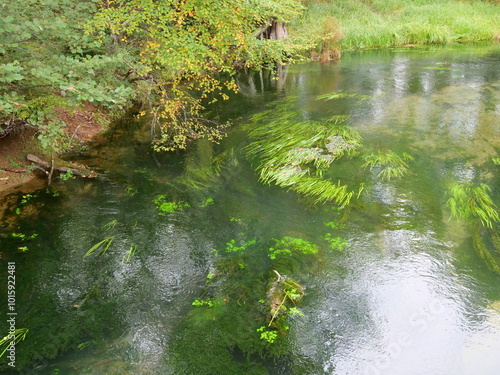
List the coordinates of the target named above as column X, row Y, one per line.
column 408, row 295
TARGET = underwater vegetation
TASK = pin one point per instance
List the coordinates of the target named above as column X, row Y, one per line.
column 12, row 339
column 103, row 246
column 473, row 202
column 289, row 246
column 297, row 154
column 391, row 164
column 165, row 207
column 294, row 153
column 250, row 302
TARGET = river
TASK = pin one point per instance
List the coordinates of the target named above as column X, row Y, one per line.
column 162, row 264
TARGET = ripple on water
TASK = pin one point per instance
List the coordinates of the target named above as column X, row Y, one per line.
column 399, row 308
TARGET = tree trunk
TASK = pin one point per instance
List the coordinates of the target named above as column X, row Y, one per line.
column 277, row 30
column 272, row 30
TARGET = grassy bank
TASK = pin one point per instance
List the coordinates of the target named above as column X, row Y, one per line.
column 386, row 23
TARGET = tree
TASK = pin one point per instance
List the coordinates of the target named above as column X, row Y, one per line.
column 184, row 54
column 174, row 56
column 47, row 61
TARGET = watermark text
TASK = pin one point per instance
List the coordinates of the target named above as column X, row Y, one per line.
column 11, row 313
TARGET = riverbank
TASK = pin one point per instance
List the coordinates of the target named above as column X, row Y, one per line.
column 363, row 24
column 83, row 126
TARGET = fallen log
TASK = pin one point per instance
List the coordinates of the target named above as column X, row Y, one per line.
column 36, row 160
column 49, row 168
column 29, row 169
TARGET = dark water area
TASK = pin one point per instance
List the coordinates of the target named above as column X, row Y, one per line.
column 408, row 293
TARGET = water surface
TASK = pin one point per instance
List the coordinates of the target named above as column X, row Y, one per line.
column 408, row 295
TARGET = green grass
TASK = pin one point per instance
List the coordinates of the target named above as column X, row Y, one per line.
column 389, row 23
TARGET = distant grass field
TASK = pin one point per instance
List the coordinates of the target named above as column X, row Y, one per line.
column 387, row 23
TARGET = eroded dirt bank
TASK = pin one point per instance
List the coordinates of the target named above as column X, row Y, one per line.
column 84, row 127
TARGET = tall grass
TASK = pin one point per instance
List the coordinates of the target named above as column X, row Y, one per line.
column 388, row 23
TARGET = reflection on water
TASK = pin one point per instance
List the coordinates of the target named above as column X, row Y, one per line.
column 411, row 311
column 407, row 296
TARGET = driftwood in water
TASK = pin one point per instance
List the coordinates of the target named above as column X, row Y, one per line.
column 37, row 161
column 48, row 169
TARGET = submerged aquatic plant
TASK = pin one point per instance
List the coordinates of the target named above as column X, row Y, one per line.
column 232, row 247
column 24, row 201
column 469, row 201
column 296, row 154
column 483, row 252
column 206, row 202
column 266, row 334
column 288, row 246
column 131, row 252
column 200, row 302
column 334, row 225
column 393, row 165
column 322, row 190
column 104, row 245
column 237, row 245
column 249, row 310
column 13, row 337
column 111, row 225
column 335, row 243
column 164, row 207
column 24, row 237
column 283, row 295
column 472, row 201
column 342, row 95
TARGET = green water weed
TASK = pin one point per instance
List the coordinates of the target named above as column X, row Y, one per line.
column 200, row 302
column 483, row 252
column 110, row 225
column 466, row 200
column 17, row 336
column 288, row 246
column 295, row 154
column 392, row 165
column 295, row 311
column 267, row 335
column 24, row 237
column 206, row 202
column 232, row 247
column 104, row 245
column 130, row 253
column 335, row 243
column 131, row 191
column 333, row 225
column 165, row 207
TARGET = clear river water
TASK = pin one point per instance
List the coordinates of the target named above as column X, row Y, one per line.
column 405, row 293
